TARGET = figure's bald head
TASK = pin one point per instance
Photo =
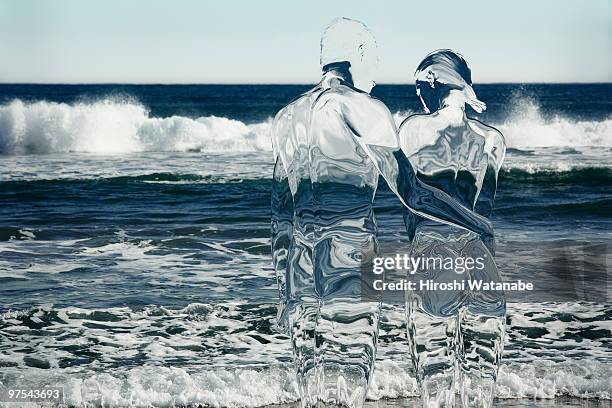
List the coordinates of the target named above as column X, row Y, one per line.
column 351, row 41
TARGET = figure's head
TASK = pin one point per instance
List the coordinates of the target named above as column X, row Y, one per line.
column 346, row 40
column 442, row 72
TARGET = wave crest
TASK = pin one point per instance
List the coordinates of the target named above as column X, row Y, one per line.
column 109, row 126
column 526, row 126
column 591, row 176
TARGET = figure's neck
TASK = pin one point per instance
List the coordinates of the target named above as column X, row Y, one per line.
column 340, row 70
column 453, row 107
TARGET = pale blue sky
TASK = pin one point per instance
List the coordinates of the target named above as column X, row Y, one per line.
column 232, row 41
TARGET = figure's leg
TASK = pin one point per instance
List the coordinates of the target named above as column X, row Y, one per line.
column 432, row 342
column 432, row 318
column 303, row 310
column 302, row 321
column 347, row 326
column 481, row 345
column 346, row 337
column 482, row 329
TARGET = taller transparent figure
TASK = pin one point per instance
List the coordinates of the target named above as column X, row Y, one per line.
column 331, row 145
column 454, row 335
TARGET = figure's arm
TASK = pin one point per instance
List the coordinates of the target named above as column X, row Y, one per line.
column 411, row 221
column 409, row 143
column 281, row 229
column 281, row 226
column 435, row 204
column 376, row 132
column 484, row 203
column 497, row 153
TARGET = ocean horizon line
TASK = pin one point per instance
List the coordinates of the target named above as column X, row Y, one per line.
column 280, row 83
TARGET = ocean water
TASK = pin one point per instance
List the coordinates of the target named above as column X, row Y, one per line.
column 134, row 244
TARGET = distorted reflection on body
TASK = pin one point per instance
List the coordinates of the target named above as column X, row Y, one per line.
column 331, row 144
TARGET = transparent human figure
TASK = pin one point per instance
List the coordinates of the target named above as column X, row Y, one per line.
column 331, row 144
column 456, row 337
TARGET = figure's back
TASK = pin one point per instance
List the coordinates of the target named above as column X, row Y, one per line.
column 453, row 158
column 318, row 144
column 333, row 182
column 462, row 157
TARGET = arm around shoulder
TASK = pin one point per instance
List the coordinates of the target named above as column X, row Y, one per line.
column 370, row 120
column 409, row 134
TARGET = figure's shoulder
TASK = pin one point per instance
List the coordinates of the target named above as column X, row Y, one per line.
column 417, row 131
column 283, row 122
column 413, row 121
column 422, row 128
column 280, row 115
column 490, row 133
column 287, row 112
column 494, row 140
column 364, row 115
column 349, row 98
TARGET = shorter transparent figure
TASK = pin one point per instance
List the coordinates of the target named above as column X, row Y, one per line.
column 331, row 145
column 456, row 336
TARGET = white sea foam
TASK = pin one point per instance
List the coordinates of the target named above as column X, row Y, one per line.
column 173, row 357
column 526, row 126
column 109, row 126
column 112, row 126
column 157, row 386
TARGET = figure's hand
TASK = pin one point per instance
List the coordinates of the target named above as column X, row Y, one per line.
column 281, row 323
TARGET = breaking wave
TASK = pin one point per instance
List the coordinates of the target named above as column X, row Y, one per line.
column 112, row 126
column 526, row 126
column 109, row 126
